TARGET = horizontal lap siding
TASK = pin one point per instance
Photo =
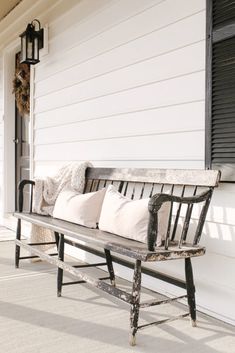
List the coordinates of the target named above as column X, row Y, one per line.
column 148, row 95
column 154, row 121
column 135, row 75
column 113, row 93
column 138, row 147
column 130, row 25
column 151, row 96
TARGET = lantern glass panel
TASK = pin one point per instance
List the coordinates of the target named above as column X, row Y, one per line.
column 23, row 48
column 30, row 49
column 36, row 49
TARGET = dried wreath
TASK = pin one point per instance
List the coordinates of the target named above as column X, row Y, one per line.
column 21, row 87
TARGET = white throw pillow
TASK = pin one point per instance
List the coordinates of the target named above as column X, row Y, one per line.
column 129, row 218
column 83, row 209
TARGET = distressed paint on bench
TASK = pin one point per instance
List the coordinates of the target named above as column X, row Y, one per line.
column 158, row 176
column 182, row 187
column 120, row 245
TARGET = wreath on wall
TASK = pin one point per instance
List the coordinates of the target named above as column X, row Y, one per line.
column 21, row 87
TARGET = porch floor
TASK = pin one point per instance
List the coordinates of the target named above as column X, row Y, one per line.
column 34, row 320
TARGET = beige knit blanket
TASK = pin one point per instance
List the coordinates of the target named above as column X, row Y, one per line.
column 46, row 192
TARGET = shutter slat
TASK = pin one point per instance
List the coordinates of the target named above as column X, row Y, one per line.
column 226, row 101
column 223, row 150
column 223, row 109
column 223, row 145
column 224, row 155
column 222, row 121
column 225, row 128
column 224, row 135
column 224, row 160
column 224, row 95
column 221, row 72
column 223, row 80
column 220, row 86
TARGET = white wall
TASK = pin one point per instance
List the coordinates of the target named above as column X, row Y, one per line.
column 115, row 87
column 124, row 85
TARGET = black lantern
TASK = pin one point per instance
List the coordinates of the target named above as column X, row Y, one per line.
column 31, row 42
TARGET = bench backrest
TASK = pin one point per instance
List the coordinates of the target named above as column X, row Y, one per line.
column 187, row 177
column 137, row 183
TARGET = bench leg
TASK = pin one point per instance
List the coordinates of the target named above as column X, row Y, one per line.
column 135, row 305
column 110, row 266
column 57, row 239
column 17, row 248
column 60, row 271
column 190, row 291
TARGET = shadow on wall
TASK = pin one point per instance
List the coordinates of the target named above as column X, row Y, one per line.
column 219, row 231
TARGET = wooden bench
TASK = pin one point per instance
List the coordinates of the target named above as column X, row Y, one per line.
column 182, row 188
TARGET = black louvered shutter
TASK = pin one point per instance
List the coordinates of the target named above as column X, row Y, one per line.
column 223, row 102
column 221, row 88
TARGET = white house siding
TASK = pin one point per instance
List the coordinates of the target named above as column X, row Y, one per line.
column 115, row 87
column 124, row 85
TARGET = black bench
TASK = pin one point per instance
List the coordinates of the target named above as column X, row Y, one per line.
column 182, row 188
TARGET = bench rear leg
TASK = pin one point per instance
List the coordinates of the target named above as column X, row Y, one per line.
column 60, row 270
column 17, row 248
column 57, row 239
column 110, row 266
column 190, row 291
column 135, row 306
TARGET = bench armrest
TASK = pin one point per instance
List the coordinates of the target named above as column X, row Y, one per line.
column 21, row 186
column 158, row 200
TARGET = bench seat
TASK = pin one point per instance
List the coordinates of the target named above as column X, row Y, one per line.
column 112, row 242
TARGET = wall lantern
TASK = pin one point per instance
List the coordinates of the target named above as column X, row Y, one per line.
column 31, row 42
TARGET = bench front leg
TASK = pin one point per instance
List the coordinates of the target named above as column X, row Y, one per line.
column 17, row 247
column 20, row 206
column 110, row 266
column 57, row 239
column 135, row 305
column 60, row 271
column 190, row 291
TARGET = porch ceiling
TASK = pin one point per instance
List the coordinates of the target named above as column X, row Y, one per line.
column 6, row 6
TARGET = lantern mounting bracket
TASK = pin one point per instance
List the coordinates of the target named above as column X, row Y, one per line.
column 40, row 32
